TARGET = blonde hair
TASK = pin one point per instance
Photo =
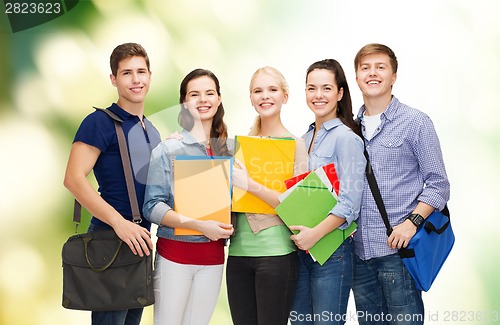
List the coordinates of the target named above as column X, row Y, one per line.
column 278, row 76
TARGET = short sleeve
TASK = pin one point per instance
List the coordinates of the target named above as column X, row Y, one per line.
column 97, row 130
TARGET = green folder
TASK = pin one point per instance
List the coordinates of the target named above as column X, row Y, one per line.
column 308, row 204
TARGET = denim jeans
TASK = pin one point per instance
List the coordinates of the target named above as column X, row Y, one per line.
column 117, row 317
column 385, row 292
column 322, row 292
column 260, row 289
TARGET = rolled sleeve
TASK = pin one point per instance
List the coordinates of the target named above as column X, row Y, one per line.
column 158, row 198
column 427, row 149
column 350, row 169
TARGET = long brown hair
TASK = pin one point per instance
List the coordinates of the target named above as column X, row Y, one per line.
column 218, row 131
column 344, row 108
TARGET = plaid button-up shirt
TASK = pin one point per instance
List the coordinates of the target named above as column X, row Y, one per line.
column 408, row 165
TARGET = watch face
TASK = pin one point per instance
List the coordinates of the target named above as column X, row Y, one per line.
column 417, row 219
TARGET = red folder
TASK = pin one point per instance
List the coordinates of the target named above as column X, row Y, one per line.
column 330, row 172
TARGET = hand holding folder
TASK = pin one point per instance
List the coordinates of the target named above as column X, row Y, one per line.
column 202, row 189
column 308, row 202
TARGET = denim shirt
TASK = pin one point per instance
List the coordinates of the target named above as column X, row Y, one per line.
column 159, row 197
column 336, row 143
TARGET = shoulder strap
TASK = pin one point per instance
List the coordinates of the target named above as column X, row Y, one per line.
column 127, row 168
column 110, row 113
column 372, row 182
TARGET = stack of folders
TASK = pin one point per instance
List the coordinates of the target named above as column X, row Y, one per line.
column 202, row 189
column 309, row 199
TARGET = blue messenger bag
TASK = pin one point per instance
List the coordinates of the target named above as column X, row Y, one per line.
column 429, row 248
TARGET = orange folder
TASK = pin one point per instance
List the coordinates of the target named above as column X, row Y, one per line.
column 269, row 161
column 202, row 189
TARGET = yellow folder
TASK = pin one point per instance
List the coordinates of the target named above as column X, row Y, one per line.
column 269, row 161
column 202, row 189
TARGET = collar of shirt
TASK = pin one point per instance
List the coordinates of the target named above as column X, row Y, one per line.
column 188, row 138
column 123, row 114
column 328, row 125
column 388, row 114
column 149, row 129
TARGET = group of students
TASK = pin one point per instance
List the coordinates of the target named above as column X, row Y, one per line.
column 271, row 279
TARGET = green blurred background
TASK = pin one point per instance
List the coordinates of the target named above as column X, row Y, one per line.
column 52, row 74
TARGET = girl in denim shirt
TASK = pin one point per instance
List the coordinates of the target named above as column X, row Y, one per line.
column 322, row 292
column 188, row 269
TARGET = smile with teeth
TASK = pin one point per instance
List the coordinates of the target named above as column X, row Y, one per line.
column 266, row 105
column 373, row 82
column 203, row 109
column 136, row 89
column 319, row 104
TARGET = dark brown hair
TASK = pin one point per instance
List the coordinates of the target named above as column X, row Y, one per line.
column 124, row 51
column 344, row 108
column 218, row 132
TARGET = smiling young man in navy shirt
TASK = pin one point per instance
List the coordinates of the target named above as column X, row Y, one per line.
column 95, row 147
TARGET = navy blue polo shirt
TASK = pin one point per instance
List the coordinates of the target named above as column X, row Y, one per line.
column 98, row 130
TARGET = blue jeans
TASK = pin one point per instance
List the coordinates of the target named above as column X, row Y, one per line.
column 117, row 317
column 322, row 292
column 385, row 292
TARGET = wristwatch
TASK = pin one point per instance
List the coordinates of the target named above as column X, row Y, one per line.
column 416, row 219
